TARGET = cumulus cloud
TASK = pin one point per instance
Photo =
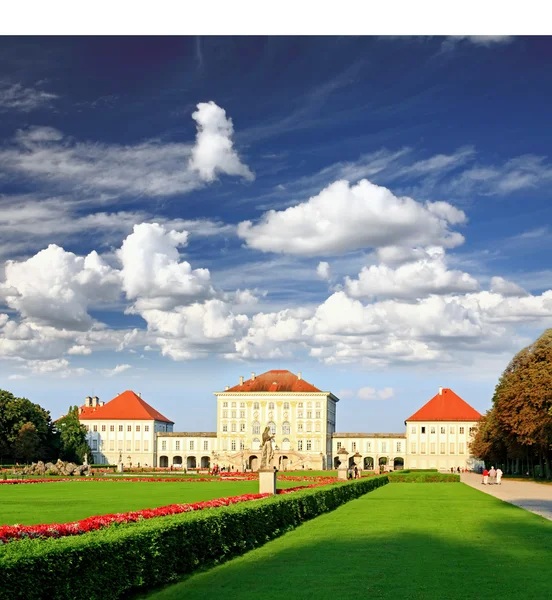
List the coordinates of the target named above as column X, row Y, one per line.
column 79, row 350
column 343, row 217
column 324, row 271
column 151, row 167
column 412, row 280
column 502, row 286
column 116, row 370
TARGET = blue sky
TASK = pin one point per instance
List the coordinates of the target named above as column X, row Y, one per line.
column 177, row 212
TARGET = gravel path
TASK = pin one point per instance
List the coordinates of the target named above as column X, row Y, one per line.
column 536, row 497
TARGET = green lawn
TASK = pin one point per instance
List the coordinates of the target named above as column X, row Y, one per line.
column 423, row 541
column 33, row 503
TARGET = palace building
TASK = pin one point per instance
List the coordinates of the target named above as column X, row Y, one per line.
column 300, row 416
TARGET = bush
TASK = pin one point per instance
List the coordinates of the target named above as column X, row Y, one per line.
column 423, row 477
column 111, row 562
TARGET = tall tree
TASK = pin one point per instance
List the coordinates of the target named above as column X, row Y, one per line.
column 73, row 444
column 27, row 444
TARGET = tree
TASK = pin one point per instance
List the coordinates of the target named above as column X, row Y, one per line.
column 27, row 445
column 73, row 444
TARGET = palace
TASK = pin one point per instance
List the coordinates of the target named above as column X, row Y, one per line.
column 300, row 416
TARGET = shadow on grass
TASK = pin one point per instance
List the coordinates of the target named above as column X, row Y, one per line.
column 505, row 557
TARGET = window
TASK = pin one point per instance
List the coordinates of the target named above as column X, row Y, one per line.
column 286, row 429
column 309, row 426
column 94, row 444
column 317, row 445
column 317, row 427
column 384, row 446
column 286, row 405
column 233, row 405
column 242, row 427
column 242, row 404
column 338, row 445
column 272, row 427
column 399, row 446
column 137, row 446
column 137, row 427
column 443, row 430
column 423, row 429
column 225, row 428
column 309, row 445
column 233, row 445
column 146, row 445
column 432, row 448
column 433, row 430
column 300, row 414
column 120, row 428
column 318, row 405
column 256, row 428
column 95, row 428
column 255, row 406
column 119, row 445
column 413, row 447
column 299, row 405
column 413, row 429
column 205, row 444
column 112, row 428
column 423, row 448
column 233, row 428
column 233, row 414
column 299, row 444
column 224, row 414
column 309, row 404
column 300, row 427
column 460, row 448
column 452, row 448
column 164, row 445
column 129, row 446
column 451, row 429
column 242, row 445
column 225, row 444
column 103, row 427
column 317, row 414
column 177, row 445
column 192, row 445
column 225, row 404
column 87, row 427
column 271, row 406
column 461, row 431
column 112, row 445
column 368, row 446
column 146, row 428
column 129, row 427
column 442, row 447
column 309, row 414
column 242, row 414
column 353, row 447
column 473, row 430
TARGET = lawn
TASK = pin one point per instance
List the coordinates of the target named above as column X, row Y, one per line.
column 425, row 541
column 60, row 502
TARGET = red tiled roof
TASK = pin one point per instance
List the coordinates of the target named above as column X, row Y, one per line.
column 127, row 406
column 447, row 406
column 275, row 381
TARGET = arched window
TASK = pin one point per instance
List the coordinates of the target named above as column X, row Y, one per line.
column 256, row 428
column 285, row 444
column 256, row 444
column 286, row 429
column 272, row 427
column 318, row 427
column 309, row 427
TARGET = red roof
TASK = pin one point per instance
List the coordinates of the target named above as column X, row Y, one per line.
column 127, row 406
column 275, row 381
column 447, row 406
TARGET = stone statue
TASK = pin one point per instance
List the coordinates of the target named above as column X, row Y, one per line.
column 85, row 463
column 267, row 453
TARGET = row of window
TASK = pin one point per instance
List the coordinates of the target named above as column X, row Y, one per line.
column 121, row 428
column 286, row 428
column 307, row 445
column 442, row 448
column 300, row 414
column 128, row 447
column 368, row 446
column 433, row 429
column 191, row 445
column 256, row 405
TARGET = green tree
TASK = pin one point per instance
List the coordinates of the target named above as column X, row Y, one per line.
column 73, row 444
column 27, row 444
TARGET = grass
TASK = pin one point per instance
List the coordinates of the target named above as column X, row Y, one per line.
column 60, row 502
column 426, row 542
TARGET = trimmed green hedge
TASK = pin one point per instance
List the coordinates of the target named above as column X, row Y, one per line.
column 423, row 477
column 113, row 561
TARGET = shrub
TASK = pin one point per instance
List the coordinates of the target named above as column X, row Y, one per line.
column 111, row 562
column 423, row 477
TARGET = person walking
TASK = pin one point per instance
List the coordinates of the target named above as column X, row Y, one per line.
column 485, row 477
column 492, row 476
column 356, row 472
column 499, row 476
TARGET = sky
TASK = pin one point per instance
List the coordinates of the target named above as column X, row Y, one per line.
column 178, row 211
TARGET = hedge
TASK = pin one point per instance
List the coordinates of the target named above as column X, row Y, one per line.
column 423, row 477
column 111, row 562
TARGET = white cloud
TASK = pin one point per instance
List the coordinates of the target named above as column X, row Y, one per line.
column 152, row 167
column 370, row 393
column 79, row 350
column 324, row 271
column 412, row 280
column 17, row 376
column 16, row 97
column 345, row 393
column 502, row 286
column 342, row 218
column 116, row 370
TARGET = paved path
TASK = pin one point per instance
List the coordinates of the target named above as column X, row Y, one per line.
column 536, row 497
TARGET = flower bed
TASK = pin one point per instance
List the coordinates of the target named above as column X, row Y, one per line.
column 56, row 530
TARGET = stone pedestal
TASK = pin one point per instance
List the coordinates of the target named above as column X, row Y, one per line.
column 267, row 481
column 342, row 472
column 120, row 468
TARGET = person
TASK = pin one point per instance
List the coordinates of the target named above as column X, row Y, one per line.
column 499, row 476
column 356, row 472
column 458, row 469
column 485, row 477
column 492, row 476
column 452, row 469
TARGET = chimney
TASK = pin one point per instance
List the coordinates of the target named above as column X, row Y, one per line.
column 241, row 379
column 95, row 401
column 440, row 391
column 253, row 376
column 227, row 387
column 299, row 375
column 101, row 403
column 139, row 394
column 88, row 401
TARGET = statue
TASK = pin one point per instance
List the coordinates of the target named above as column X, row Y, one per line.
column 85, row 463
column 267, row 453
